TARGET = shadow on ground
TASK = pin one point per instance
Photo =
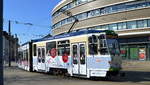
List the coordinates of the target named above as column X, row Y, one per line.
column 130, row 76
column 136, row 76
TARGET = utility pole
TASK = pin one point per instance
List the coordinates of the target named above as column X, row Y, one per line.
column 9, row 32
column 1, row 42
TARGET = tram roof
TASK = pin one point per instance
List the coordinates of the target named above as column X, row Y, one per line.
column 75, row 33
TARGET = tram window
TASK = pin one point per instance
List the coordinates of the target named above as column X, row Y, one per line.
column 103, row 48
column 67, row 51
column 62, row 51
column 34, row 49
column 39, row 55
column 49, row 47
column 43, row 55
column 63, row 47
column 20, row 55
column 103, row 51
column 75, row 55
column 27, row 55
column 93, row 49
column 93, row 46
column 82, row 54
column 102, row 36
column 92, row 39
column 102, row 43
column 24, row 55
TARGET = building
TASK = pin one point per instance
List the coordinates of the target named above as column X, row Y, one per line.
column 10, row 47
column 129, row 18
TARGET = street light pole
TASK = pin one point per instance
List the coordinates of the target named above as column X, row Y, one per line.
column 9, row 27
column 1, row 42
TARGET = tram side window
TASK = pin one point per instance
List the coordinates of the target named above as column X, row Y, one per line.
column 82, row 54
column 34, row 50
column 93, row 46
column 51, row 48
column 102, row 43
column 43, row 55
column 20, row 54
column 26, row 55
column 63, row 47
column 39, row 55
column 74, row 48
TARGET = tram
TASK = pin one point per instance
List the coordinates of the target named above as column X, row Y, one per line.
column 83, row 53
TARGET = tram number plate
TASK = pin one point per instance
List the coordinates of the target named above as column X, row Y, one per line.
column 98, row 73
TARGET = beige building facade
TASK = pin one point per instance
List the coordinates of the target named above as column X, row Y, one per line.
column 129, row 18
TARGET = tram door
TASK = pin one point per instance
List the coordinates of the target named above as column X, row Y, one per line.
column 79, row 58
column 41, row 58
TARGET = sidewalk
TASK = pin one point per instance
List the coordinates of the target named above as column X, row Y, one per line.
column 13, row 64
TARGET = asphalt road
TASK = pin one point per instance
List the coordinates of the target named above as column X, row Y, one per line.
column 135, row 75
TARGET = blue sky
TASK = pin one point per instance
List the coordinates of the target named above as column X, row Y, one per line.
column 37, row 12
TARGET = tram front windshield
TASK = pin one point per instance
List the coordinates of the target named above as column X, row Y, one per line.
column 113, row 46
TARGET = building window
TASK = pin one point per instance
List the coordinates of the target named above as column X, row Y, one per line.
column 148, row 22
column 69, row 20
column 148, row 3
column 141, row 23
column 93, row 13
column 64, row 22
column 104, row 27
column 116, row 8
column 122, row 25
column 141, row 4
column 105, row 10
column 97, row 27
column 82, row 16
column 130, row 6
column 131, row 24
column 113, row 27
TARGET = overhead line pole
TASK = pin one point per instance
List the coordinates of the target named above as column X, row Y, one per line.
column 1, row 42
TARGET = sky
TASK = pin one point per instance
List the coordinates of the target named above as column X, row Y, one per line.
column 36, row 12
